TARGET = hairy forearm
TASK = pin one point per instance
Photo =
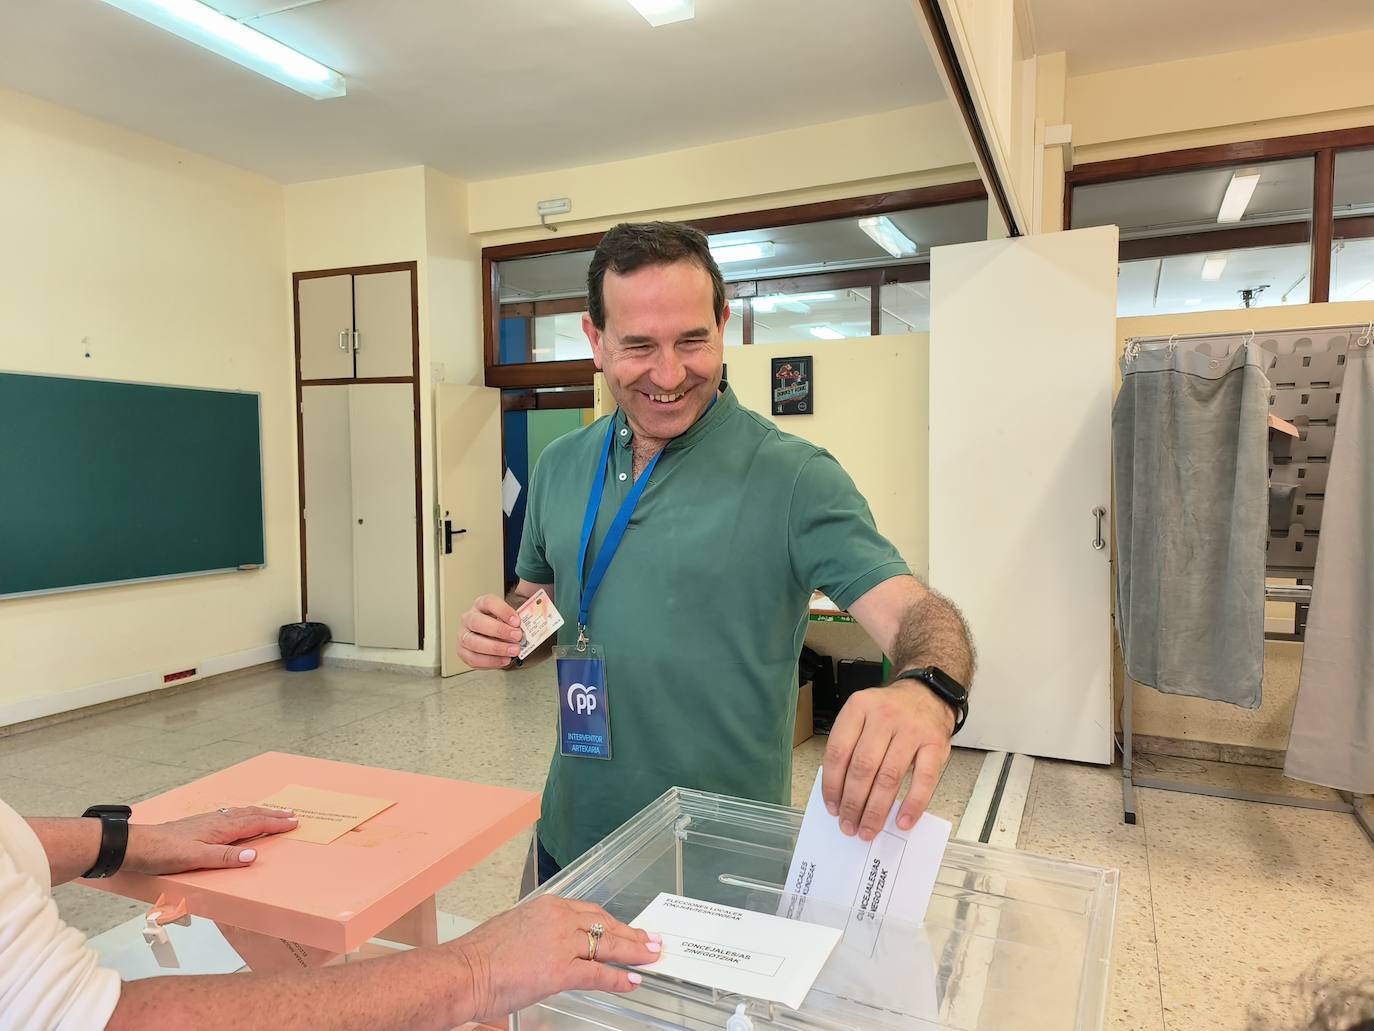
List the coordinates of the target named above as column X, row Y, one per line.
column 933, row 633
column 71, row 844
column 425, row 988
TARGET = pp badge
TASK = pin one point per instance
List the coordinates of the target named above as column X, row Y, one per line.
column 584, row 718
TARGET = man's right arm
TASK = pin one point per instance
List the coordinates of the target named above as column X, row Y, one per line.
column 491, row 629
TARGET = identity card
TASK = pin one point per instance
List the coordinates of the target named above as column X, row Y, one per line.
column 538, row 620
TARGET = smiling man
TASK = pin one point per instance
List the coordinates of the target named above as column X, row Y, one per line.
column 686, row 533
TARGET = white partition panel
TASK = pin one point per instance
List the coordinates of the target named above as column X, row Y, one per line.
column 1022, row 344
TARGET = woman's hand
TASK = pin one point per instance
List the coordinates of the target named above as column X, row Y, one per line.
column 540, row 948
column 205, row 842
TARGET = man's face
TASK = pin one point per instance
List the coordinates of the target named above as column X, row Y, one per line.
column 661, row 349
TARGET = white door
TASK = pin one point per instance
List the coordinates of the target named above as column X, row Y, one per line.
column 328, row 509
column 1022, row 343
column 385, row 553
column 382, row 306
column 471, row 547
column 325, row 324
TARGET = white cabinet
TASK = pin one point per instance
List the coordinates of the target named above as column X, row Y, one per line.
column 356, row 325
column 324, row 322
column 382, row 324
column 361, row 529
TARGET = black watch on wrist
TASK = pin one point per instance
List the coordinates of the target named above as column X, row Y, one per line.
column 114, row 838
column 949, row 690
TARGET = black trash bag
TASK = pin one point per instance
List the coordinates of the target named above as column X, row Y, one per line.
column 297, row 639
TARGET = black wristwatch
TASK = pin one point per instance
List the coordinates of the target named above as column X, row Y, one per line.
column 949, row 690
column 114, row 838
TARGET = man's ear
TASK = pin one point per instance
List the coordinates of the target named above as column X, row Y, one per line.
column 594, row 338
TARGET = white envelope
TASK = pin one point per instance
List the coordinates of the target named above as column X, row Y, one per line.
column 737, row 950
column 857, row 886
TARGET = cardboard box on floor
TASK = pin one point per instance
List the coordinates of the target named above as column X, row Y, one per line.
column 806, row 716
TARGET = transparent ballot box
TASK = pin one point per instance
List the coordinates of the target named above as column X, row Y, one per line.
column 1010, row 940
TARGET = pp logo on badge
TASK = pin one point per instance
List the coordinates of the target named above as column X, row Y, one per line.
column 581, row 700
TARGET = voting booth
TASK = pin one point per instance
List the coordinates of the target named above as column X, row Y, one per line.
column 1009, row 939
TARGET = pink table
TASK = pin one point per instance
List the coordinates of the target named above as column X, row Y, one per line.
column 304, row 905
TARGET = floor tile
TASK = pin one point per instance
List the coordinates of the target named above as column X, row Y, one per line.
column 1247, row 895
column 93, row 912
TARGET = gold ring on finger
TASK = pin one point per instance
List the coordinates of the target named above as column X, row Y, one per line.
column 591, row 947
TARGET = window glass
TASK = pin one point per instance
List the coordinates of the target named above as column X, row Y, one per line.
column 794, row 283
column 1352, row 247
column 1212, row 239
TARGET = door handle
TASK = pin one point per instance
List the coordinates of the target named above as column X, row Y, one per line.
column 357, row 340
column 1098, row 542
column 343, row 340
column 449, row 534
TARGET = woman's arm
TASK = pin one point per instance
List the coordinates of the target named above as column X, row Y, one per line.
column 535, row 950
column 204, row 842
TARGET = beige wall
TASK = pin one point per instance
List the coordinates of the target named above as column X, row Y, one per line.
column 166, row 267
column 872, row 400
column 914, row 146
column 1191, row 718
column 1306, row 86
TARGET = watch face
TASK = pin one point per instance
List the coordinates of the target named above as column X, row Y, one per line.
column 109, row 810
column 948, row 683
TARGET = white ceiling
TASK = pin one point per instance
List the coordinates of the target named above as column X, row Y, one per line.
column 1102, row 34
column 477, row 88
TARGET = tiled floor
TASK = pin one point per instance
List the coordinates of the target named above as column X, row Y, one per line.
column 1223, row 904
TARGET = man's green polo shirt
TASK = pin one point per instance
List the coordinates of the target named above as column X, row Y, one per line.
column 702, row 613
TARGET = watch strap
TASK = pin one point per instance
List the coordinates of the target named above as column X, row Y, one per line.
column 114, row 840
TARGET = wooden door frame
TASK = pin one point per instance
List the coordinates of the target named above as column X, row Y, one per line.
column 413, row 267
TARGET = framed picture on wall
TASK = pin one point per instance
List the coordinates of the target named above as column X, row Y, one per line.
column 794, row 386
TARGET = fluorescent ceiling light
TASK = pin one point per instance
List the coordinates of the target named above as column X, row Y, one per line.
column 1238, row 194
column 729, row 252
column 826, row 333
column 665, row 12
column 884, row 232
column 205, row 27
column 1213, row 267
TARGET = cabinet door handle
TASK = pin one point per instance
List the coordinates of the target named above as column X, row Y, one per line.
column 357, row 340
column 343, row 340
column 1098, row 542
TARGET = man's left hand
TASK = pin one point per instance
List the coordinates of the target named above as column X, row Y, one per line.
column 204, row 842
column 880, row 734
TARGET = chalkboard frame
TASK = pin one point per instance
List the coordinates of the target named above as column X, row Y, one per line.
column 181, row 575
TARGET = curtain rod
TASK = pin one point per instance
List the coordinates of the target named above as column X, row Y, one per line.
column 1366, row 326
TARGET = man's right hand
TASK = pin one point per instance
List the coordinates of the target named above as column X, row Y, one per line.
column 491, row 634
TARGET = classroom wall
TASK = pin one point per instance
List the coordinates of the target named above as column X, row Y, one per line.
column 165, row 267
column 872, row 407
column 1195, row 719
column 1307, row 86
column 908, row 147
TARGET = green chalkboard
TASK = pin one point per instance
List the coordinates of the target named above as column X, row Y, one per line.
column 104, row 482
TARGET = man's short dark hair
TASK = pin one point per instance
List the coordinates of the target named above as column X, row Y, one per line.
column 633, row 245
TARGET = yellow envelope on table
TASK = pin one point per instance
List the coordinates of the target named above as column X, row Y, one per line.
column 323, row 815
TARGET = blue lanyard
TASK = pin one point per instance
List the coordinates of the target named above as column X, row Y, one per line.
column 593, row 580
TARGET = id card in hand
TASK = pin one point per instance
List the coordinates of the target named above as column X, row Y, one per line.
column 584, row 717
column 538, row 620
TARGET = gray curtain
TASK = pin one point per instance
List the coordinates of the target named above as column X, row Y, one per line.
column 1332, row 742
column 1190, row 474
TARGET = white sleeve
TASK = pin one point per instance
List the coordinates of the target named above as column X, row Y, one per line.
column 49, row 976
